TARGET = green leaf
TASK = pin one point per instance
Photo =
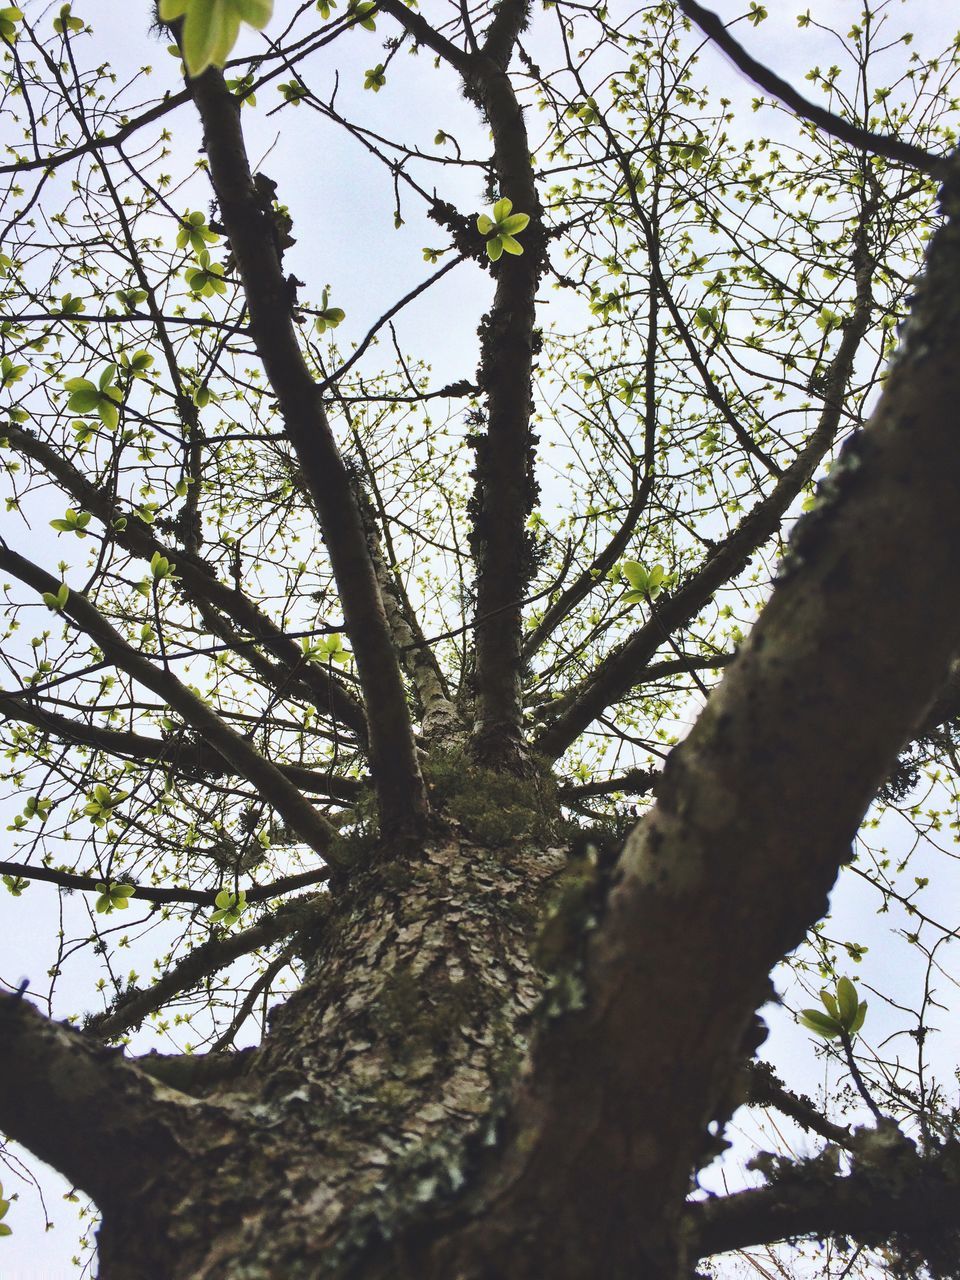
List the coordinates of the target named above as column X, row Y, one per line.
column 210, row 31
column 821, row 1023
column 494, row 248
column 140, row 361
column 9, row 18
column 516, row 222
column 230, row 906
column 65, row 22
column 635, row 574
column 858, row 1020
column 329, row 317
column 484, row 224
column 502, row 209
column 363, row 14
column 108, row 413
column 256, row 13
column 829, row 1002
column 374, row 78
column 57, row 600
column 847, row 1001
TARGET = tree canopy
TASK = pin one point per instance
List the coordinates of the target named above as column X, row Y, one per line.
column 481, row 534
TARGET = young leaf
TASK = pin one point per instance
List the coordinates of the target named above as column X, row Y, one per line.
column 821, row 1023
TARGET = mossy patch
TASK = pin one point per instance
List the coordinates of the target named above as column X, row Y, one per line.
column 493, row 806
column 420, row 1014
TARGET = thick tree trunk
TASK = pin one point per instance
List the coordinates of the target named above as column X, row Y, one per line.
column 375, row 1094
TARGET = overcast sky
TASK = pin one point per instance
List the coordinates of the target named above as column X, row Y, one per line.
column 340, row 225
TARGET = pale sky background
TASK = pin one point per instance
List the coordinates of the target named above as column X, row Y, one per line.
column 340, row 209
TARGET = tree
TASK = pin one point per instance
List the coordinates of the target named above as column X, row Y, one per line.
column 363, row 681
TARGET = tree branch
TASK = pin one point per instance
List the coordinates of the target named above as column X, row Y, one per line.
column 906, row 1196
column 766, row 1090
column 103, row 1123
column 297, row 811
column 616, row 674
column 505, row 490
column 396, row 774
column 199, row 582
column 836, row 126
column 636, row 782
column 439, row 715
column 151, row 893
column 134, row 1005
column 192, row 759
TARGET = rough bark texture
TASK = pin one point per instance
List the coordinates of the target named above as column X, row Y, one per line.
column 380, row 1084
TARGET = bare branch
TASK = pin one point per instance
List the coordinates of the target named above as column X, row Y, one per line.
column 766, row 1090
column 193, row 759
column 396, row 773
column 836, row 126
column 81, row 1107
column 134, row 1005
column 301, row 816
column 199, row 582
column 904, row 1198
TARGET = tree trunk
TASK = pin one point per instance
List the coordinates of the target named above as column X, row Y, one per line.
column 376, row 1094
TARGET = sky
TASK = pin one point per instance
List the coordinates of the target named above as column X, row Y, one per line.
column 338, row 201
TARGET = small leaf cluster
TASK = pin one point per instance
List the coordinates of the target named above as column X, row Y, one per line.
column 65, row 23
column 206, row 279
column 4, row 1204
column 69, row 305
column 112, row 897
column 501, row 229
column 16, row 886
column 240, row 88
column 195, row 232
column 137, row 364
column 100, row 806
column 844, row 1015
column 102, row 397
column 325, row 649
column 57, row 600
column 211, row 27
column 328, row 317
column 293, row 91
column 710, row 320
column 9, row 18
column 72, row 521
column 230, row 906
column 160, row 567
column 10, row 372
column 644, row 584
column 363, row 14
column 374, row 78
